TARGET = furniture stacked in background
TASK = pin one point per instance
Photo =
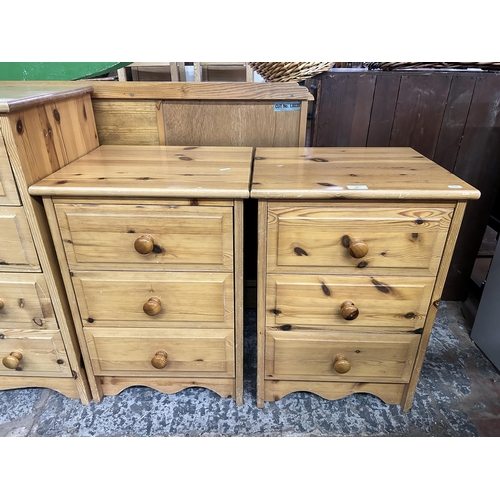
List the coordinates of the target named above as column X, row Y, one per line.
column 182, row 72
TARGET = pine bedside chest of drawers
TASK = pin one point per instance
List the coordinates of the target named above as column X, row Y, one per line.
column 354, row 249
column 149, row 240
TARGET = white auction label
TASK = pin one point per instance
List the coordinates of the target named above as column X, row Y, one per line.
column 358, row 186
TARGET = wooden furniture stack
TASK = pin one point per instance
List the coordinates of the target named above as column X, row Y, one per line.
column 150, row 244
column 354, row 248
column 41, row 129
column 155, row 71
column 223, row 72
column 176, row 71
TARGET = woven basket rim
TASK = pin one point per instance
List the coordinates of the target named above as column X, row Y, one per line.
column 289, row 71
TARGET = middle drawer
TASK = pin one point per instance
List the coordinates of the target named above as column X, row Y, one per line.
column 25, row 302
column 155, row 299
column 348, row 303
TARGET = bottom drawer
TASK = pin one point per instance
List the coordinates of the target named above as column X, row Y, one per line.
column 340, row 356
column 29, row 353
column 134, row 351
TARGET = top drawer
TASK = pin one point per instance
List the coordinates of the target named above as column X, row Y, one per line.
column 357, row 238
column 8, row 190
column 128, row 237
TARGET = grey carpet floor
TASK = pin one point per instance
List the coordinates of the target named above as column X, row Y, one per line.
column 457, row 395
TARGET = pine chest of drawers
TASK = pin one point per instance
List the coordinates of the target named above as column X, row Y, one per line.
column 354, row 249
column 149, row 240
column 41, row 128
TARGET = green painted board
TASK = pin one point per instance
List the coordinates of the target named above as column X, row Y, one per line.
column 56, row 70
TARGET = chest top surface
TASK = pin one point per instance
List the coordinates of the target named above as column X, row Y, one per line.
column 154, row 171
column 353, row 173
column 15, row 96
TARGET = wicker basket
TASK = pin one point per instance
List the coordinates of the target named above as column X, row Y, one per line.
column 289, row 71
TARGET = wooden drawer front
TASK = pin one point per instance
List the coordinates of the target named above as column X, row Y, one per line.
column 8, row 190
column 192, row 300
column 388, row 302
column 397, row 238
column 310, row 356
column 102, row 236
column 129, row 351
column 17, row 251
column 25, row 302
column 42, row 355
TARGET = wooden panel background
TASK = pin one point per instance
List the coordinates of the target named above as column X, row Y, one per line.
column 122, row 122
column 229, row 123
column 198, row 123
column 147, row 112
column 452, row 117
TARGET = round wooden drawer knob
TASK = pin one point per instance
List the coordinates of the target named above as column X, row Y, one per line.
column 152, row 307
column 348, row 310
column 358, row 248
column 341, row 364
column 1, row 304
column 159, row 360
column 144, row 244
column 12, row 360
